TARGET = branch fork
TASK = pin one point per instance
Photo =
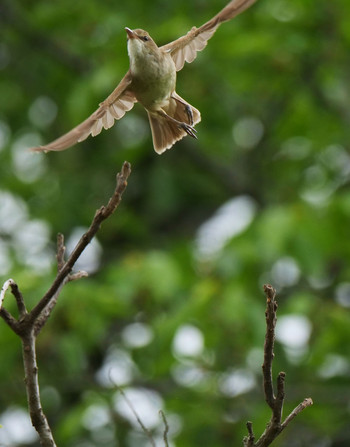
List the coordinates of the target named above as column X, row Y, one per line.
column 275, row 402
column 29, row 324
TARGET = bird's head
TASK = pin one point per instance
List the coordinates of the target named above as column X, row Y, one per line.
column 140, row 43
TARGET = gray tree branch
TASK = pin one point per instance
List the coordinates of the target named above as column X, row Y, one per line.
column 102, row 214
column 275, row 402
column 29, row 324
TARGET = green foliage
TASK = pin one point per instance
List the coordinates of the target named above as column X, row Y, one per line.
column 273, row 90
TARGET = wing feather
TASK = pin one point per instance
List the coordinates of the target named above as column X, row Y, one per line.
column 186, row 47
column 120, row 101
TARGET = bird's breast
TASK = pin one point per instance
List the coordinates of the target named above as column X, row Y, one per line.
column 153, row 79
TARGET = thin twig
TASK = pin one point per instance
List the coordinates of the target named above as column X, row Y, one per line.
column 130, row 405
column 41, row 320
column 248, row 441
column 9, row 319
column 4, row 289
column 307, row 402
column 4, row 314
column 166, row 428
column 270, row 314
column 22, row 311
column 61, row 250
column 274, row 427
column 279, row 400
column 102, row 214
column 45, row 314
column 78, row 275
column 137, row 417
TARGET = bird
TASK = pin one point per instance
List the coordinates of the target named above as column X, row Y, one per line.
column 151, row 81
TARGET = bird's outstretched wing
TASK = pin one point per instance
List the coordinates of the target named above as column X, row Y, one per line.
column 185, row 48
column 120, row 101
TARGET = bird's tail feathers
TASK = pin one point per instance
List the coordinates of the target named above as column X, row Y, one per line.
column 166, row 133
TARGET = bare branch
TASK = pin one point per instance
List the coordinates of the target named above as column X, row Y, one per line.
column 7, row 284
column 19, row 300
column 279, row 400
column 102, row 214
column 45, row 314
column 78, row 275
column 307, row 402
column 274, row 427
column 166, row 428
column 28, row 325
column 270, row 314
column 37, row 415
column 5, row 315
column 9, row 319
column 41, row 320
column 61, row 250
column 248, row 441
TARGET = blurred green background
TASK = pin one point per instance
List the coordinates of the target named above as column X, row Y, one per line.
column 173, row 309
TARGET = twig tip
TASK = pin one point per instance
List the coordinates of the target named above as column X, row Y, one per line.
column 308, row 402
column 270, row 292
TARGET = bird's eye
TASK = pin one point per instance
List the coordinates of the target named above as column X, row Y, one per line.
column 145, row 38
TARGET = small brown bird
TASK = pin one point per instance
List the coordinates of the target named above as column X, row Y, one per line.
column 151, row 80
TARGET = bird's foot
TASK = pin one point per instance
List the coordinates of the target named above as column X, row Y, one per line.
column 191, row 131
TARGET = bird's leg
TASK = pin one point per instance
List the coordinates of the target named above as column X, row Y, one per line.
column 189, row 113
column 191, row 131
column 188, row 109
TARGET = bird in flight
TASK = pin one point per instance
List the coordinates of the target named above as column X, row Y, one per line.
column 151, row 81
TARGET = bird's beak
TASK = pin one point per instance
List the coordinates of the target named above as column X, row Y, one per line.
column 130, row 33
